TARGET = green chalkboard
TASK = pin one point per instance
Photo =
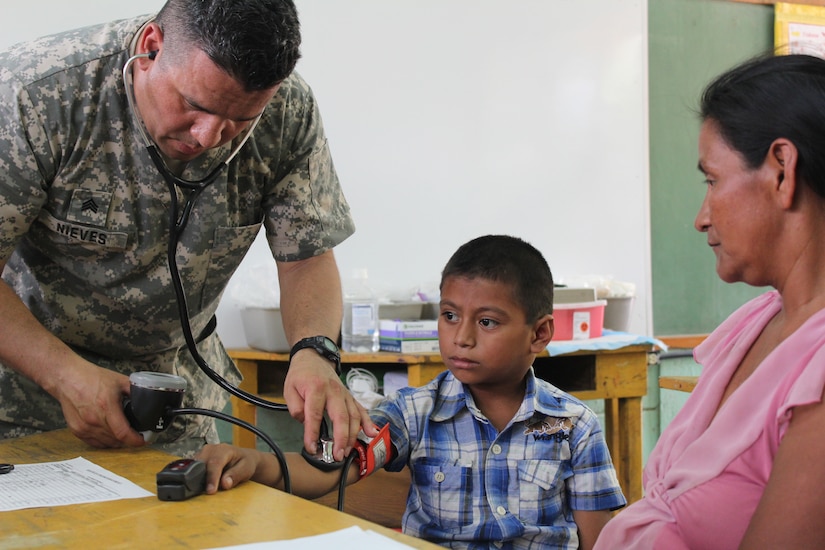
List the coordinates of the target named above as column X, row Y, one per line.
column 690, row 42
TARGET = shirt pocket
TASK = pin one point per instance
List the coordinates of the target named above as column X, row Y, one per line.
column 541, row 490
column 445, row 492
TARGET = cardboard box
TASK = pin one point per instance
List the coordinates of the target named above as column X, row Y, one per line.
column 573, row 295
column 409, row 330
column 400, row 310
column 408, row 346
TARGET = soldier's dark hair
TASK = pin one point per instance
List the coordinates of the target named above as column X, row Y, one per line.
column 257, row 42
column 508, row 260
column 771, row 97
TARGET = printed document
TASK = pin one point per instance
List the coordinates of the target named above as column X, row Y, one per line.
column 351, row 538
column 74, row 481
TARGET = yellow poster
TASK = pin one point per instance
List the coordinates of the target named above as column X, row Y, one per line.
column 799, row 29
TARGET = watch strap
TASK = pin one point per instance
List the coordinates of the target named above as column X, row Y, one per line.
column 323, row 345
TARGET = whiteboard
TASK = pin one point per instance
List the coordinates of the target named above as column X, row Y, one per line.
column 450, row 119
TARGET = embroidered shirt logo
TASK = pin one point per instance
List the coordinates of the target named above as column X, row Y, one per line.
column 89, row 204
column 547, row 428
column 89, row 207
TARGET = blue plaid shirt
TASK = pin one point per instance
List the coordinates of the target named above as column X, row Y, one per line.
column 473, row 487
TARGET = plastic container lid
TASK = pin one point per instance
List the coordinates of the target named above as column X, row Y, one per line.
column 581, row 305
column 158, row 381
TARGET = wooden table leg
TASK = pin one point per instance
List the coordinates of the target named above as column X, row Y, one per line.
column 630, row 437
column 612, row 428
column 243, row 410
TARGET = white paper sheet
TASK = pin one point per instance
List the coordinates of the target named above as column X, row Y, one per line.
column 74, row 481
column 351, row 538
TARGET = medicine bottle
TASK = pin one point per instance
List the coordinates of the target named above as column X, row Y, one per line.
column 359, row 329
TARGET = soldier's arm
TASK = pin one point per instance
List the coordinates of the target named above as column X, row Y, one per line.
column 311, row 305
column 90, row 396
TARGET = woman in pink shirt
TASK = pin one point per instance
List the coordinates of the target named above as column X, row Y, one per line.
column 743, row 463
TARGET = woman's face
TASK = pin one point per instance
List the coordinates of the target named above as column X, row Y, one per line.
column 737, row 212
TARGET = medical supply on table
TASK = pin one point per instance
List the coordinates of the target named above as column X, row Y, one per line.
column 359, row 328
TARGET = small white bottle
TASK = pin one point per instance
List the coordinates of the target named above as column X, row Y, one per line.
column 359, row 328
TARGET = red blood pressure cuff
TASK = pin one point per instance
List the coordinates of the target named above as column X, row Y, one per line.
column 373, row 453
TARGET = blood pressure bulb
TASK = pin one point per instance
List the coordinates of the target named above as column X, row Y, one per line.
column 153, row 396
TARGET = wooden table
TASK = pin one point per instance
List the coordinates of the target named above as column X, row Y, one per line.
column 617, row 376
column 678, row 383
column 249, row 513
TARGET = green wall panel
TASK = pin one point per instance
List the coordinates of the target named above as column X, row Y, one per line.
column 690, row 42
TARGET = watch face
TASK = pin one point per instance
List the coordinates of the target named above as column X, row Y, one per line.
column 329, row 344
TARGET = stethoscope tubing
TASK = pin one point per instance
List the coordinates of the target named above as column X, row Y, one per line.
column 178, row 220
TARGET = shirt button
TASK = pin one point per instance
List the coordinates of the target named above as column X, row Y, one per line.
column 501, row 510
column 439, row 477
column 496, row 449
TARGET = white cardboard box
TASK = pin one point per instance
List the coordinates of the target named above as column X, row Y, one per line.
column 408, row 346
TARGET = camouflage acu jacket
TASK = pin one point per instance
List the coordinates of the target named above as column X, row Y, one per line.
column 84, row 212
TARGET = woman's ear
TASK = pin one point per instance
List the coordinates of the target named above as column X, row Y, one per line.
column 542, row 333
column 781, row 162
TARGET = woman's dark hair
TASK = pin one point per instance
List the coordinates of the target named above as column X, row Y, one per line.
column 511, row 261
column 257, row 42
column 768, row 98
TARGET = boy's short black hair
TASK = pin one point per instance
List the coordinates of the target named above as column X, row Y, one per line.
column 508, row 260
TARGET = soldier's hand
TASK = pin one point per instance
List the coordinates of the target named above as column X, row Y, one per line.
column 312, row 386
column 92, row 401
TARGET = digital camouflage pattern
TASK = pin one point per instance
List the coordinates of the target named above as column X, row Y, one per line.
column 84, row 216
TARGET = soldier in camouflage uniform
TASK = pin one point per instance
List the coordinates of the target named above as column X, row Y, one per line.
column 84, row 226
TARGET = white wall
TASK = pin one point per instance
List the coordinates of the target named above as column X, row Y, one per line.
column 450, row 119
column 27, row 20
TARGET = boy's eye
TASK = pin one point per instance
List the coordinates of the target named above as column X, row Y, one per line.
column 489, row 323
column 448, row 315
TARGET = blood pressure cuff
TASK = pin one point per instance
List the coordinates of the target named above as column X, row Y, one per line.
column 373, row 453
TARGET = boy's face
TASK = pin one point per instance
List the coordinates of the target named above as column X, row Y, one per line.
column 483, row 334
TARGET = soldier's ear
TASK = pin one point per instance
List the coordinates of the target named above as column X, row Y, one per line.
column 150, row 40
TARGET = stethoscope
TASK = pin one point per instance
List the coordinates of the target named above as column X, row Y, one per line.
column 178, row 219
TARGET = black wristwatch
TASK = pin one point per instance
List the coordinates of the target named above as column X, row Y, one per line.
column 325, row 348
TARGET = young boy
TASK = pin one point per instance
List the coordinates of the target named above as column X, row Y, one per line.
column 497, row 455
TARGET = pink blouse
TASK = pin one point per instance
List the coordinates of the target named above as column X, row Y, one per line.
column 706, row 474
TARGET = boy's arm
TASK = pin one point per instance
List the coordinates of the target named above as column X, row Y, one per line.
column 227, row 466
column 590, row 524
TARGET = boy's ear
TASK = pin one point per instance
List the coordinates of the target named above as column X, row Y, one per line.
column 542, row 333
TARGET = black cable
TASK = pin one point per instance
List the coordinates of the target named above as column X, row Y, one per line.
column 176, row 228
column 238, row 422
column 342, row 485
